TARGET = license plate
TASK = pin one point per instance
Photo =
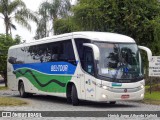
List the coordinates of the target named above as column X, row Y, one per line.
column 124, row 96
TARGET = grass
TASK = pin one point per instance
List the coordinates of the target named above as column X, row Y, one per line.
column 3, row 88
column 155, row 95
column 147, row 87
column 153, row 98
column 8, row 101
column 153, row 102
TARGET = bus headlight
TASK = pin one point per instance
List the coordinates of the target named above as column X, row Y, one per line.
column 105, row 87
column 104, row 96
column 142, row 95
column 142, row 86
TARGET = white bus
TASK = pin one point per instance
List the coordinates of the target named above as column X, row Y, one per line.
column 94, row 66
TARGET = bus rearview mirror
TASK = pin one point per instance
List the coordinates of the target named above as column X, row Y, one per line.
column 149, row 52
column 95, row 50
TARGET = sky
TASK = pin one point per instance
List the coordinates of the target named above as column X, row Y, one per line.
column 21, row 31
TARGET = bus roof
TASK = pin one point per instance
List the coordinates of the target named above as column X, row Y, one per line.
column 96, row 36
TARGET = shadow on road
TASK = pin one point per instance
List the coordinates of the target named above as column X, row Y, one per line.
column 59, row 100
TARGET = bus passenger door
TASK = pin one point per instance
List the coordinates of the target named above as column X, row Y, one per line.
column 89, row 68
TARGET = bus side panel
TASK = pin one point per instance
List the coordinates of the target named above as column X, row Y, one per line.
column 48, row 76
column 44, row 68
column 78, row 80
column 78, row 77
column 12, row 81
column 30, row 88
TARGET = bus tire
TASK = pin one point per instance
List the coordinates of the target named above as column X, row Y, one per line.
column 112, row 102
column 68, row 93
column 74, row 96
column 69, row 100
column 22, row 92
column 29, row 94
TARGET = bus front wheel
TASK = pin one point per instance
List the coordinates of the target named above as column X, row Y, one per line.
column 22, row 92
column 74, row 96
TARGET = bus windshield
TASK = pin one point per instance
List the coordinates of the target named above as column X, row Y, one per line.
column 119, row 61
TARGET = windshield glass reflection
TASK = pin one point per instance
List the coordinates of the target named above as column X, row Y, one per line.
column 119, row 61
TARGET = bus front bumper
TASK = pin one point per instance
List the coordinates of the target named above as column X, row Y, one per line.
column 106, row 95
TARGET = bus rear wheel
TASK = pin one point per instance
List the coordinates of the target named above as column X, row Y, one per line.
column 112, row 102
column 74, row 96
column 22, row 92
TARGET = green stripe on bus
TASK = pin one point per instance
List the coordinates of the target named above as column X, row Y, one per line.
column 44, row 82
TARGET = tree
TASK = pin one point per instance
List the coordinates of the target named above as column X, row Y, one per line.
column 58, row 8
column 89, row 15
column 139, row 19
column 5, row 43
column 51, row 11
column 42, row 29
column 65, row 25
column 16, row 10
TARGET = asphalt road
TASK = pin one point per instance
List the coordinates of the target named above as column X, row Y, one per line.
column 50, row 103
column 1, row 81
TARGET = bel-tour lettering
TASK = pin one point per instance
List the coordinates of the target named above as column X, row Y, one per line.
column 60, row 68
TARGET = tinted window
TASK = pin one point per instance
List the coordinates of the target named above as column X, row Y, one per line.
column 80, row 48
column 19, row 56
column 88, row 64
column 85, row 60
column 67, row 53
column 48, row 52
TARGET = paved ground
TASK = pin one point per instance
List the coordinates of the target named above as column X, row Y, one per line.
column 49, row 103
column 1, row 81
column 2, row 84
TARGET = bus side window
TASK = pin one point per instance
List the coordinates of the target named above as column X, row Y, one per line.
column 89, row 61
column 54, row 53
column 86, row 63
column 67, row 52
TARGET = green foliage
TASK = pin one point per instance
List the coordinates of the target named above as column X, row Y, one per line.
column 89, row 16
column 139, row 19
column 65, row 26
column 44, row 17
column 5, row 43
column 52, row 10
column 136, row 18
